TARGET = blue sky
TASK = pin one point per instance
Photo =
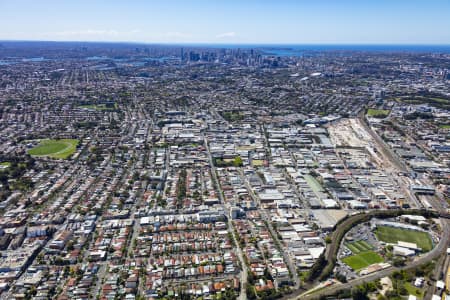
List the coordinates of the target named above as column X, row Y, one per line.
column 229, row 21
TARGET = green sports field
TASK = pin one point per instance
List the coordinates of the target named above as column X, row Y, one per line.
column 61, row 149
column 393, row 235
column 359, row 246
column 362, row 260
column 378, row 113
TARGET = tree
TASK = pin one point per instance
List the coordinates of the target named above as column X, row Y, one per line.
column 70, row 245
column 402, row 290
column 237, row 162
column 342, row 278
column 250, row 291
column 359, row 293
column 317, row 268
column 392, row 295
column 398, row 262
column 267, row 274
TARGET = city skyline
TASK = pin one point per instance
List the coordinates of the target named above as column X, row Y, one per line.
column 230, row 22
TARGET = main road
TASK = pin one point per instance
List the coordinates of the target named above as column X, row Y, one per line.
column 266, row 218
column 243, row 292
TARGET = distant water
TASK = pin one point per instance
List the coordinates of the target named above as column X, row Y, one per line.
column 6, row 63
column 286, row 50
column 34, row 59
column 300, row 50
column 96, row 57
column 18, row 60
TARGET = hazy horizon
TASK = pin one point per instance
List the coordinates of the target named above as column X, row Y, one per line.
column 284, row 22
column 222, row 44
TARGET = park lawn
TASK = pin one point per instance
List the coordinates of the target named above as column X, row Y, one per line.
column 412, row 290
column 61, row 149
column 380, row 113
column 393, row 235
column 362, row 260
column 232, row 116
column 445, row 103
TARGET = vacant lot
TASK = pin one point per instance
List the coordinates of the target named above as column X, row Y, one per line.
column 60, row 149
column 377, row 113
column 359, row 246
column 362, row 260
column 393, row 235
column 257, row 162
